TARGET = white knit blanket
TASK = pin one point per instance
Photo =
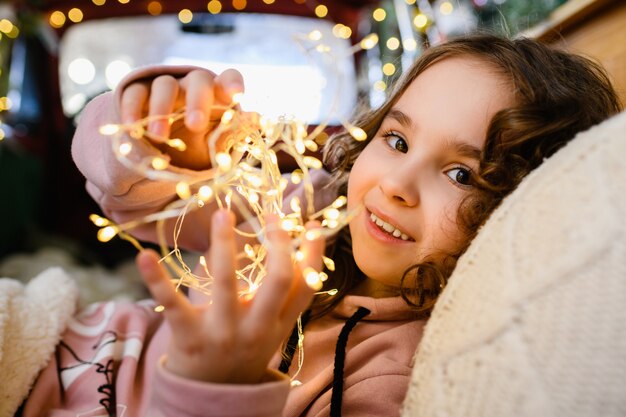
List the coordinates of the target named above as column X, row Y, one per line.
column 32, row 319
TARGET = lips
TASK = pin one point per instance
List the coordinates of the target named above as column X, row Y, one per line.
column 389, row 228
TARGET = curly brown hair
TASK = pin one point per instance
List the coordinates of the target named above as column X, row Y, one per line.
column 556, row 94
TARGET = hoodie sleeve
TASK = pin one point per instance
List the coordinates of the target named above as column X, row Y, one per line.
column 125, row 195
column 173, row 396
column 122, row 193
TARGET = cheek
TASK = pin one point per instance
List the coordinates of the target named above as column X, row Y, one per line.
column 356, row 181
column 446, row 233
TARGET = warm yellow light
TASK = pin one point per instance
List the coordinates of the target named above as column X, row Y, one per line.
column 331, row 213
column 107, row 233
column 296, row 177
column 98, row 221
column 312, row 278
column 420, row 21
column 253, row 197
column 369, row 41
column 268, row 1
column 295, row 205
column 409, row 44
column 380, row 85
column 379, row 14
column 288, row 224
column 177, row 144
column 99, row 2
column 240, row 4
column 5, row 103
column 155, row 8
column 109, row 130
column 159, row 163
column 312, row 234
column 237, row 97
column 393, row 43
column 340, row 201
column 410, row 2
column 312, row 162
column 56, row 19
column 224, row 161
column 123, row 1
column 159, row 308
column 13, row 33
column 358, row 133
column 205, row 192
column 125, row 148
column 2, row 134
column 322, row 48
column 185, row 16
column 214, row 6
column 321, row 11
column 6, row 26
column 342, row 31
column 75, row 15
column 446, row 8
column 330, row 264
column 315, row 35
column 183, row 190
column 299, row 256
column 228, row 116
column 389, row 69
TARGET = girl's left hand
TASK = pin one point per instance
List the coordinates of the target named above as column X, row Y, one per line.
column 231, row 340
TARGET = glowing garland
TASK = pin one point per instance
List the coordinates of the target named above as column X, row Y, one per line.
column 244, row 174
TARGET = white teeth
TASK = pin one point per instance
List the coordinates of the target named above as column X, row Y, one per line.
column 389, row 228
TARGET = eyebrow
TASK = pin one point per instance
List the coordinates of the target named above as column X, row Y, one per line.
column 400, row 117
column 460, row 147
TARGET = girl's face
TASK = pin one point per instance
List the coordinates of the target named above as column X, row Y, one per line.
column 412, row 176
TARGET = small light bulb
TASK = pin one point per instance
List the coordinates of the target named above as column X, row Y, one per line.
column 312, row 278
column 183, row 190
column 107, row 233
column 177, row 144
column 109, row 130
column 159, row 163
column 205, row 192
column 358, row 133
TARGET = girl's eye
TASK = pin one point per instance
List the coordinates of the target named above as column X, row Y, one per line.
column 460, row 175
column 396, row 142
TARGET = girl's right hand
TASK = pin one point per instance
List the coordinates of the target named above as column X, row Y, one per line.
column 232, row 339
column 198, row 91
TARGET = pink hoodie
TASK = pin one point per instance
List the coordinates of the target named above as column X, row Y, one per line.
column 110, row 359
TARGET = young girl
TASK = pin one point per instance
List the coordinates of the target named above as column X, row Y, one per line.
column 467, row 122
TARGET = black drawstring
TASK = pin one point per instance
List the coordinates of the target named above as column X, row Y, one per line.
column 340, row 358
column 292, row 343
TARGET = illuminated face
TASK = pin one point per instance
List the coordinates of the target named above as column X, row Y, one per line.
column 412, row 176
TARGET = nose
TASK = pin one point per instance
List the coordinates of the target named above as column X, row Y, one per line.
column 400, row 184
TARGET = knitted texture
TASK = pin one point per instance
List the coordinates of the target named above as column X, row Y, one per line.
column 32, row 319
column 533, row 321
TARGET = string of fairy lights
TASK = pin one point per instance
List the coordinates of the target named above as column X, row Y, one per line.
column 245, row 176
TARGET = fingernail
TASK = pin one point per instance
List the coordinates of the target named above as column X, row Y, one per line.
column 156, row 127
column 196, row 120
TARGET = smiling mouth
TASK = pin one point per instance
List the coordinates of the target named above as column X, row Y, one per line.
column 389, row 228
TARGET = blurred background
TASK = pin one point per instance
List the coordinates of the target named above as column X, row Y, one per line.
column 56, row 55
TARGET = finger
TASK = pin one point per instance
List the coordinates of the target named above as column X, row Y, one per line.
column 133, row 102
column 222, row 264
column 198, row 87
column 163, row 96
column 302, row 291
column 227, row 84
column 177, row 311
column 270, row 297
